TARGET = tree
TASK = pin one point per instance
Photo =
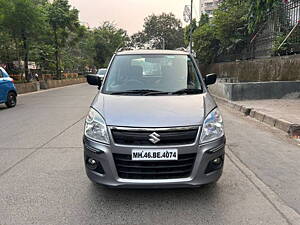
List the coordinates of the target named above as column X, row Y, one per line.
column 4, row 7
column 206, row 44
column 108, row 38
column 79, row 55
column 204, row 19
column 8, row 49
column 258, row 10
column 187, row 31
column 63, row 21
column 49, row 33
column 6, row 43
column 86, row 50
column 230, row 24
column 138, row 40
column 23, row 19
column 225, row 34
column 161, row 31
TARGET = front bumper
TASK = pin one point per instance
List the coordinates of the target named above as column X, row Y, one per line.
column 104, row 155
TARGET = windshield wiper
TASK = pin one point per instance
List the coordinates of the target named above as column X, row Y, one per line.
column 141, row 92
column 157, row 93
column 188, row 91
column 147, row 92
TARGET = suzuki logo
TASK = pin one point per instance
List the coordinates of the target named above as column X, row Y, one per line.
column 154, row 138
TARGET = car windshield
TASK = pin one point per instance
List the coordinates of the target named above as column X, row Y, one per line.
column 146, row 74
column 101, row 72
column 3, row 73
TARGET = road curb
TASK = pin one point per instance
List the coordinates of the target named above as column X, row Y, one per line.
column 291, row 216
column 291, row 129
column 46, row 90
column 37, row 86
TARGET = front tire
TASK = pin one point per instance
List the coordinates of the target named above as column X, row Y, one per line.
column 11, row 100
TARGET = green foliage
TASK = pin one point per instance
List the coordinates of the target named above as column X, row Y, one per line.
column 204, row 19
column 162, row 30
column 22, row 19
column 206, row 43
column 187, row 31
column 108, row 38
column 85, row 51
column 49, row 33
column 225, row 33
column 230, row 25
column 258, row 10
column 64, row 22
column 280, row 47
column 138, row 40
column 61, row 16
column 8, row 51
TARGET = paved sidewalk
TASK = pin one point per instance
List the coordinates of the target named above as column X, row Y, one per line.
column 283, row 114
column 285, row 109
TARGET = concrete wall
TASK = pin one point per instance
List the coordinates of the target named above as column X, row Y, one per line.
column 61, row 83
column 26, row 87
column 36, row 86
column 285, row 68
column 256, row 90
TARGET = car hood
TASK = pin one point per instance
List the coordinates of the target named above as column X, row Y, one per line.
column 151, row 111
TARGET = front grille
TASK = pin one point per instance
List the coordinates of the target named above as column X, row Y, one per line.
column 142, row 138
column 129, row 169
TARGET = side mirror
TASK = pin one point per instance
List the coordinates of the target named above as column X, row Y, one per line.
column 210, row 79
column 93, row 80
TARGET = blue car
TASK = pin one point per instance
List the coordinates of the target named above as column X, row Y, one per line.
column 8, row 92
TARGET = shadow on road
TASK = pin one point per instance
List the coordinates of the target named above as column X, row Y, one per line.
column 2, row 107
column 205, row 192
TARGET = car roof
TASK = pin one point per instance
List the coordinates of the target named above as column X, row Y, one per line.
column 152, row 52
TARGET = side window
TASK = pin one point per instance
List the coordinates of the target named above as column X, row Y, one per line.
column 1, row 74
column 193, row 79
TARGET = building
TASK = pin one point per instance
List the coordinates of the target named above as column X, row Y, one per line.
column 207, row 6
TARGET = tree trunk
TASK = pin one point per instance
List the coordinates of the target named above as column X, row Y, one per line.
column 18, row 54
column 57, row 63
column 26, row 57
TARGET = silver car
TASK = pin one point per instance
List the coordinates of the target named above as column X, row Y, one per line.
column 153, row 123
column 101, row 73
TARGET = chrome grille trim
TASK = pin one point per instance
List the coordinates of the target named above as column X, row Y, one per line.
column 154, row 129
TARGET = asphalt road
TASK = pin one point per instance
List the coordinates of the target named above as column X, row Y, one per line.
column 42, row 178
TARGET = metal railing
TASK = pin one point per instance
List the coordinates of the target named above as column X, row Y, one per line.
column 279, row 34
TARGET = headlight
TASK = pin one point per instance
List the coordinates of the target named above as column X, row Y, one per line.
column 213, row 127
column 95, row 127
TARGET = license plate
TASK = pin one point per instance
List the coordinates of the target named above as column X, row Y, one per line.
column 154, row 154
